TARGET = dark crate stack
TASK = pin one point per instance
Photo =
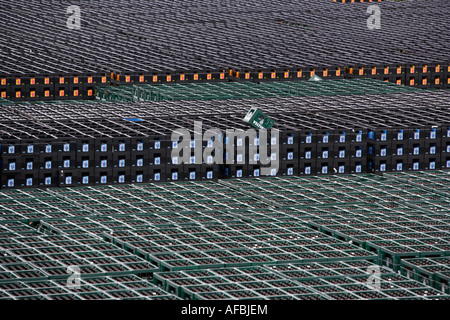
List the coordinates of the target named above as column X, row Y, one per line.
column 128, row 43
column 75, row 143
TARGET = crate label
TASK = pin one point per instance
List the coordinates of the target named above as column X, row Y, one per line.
column 69, row 180
column 85, row 180
column 432, row 150
column 290, row 156
column 29, row 165
column 85, row 147
column 338, row 72
column 103, row 79
column 10, row 182
column 158, row 145
column 48, row 164
column 359, row 153
column 66, row 147
column 325, row 72
column 433, row 134
column 309, row 139
column 400, row 135
column 286, row 74
column 386, row 70
column 359, row 137
column 256, row 141
column 195, row 76
column 18, row 94
column 325, row 138
column 12, row 166
column 85, row 164
column 342, row 154
column 290, row 171
column 155, row 78
column 239, row 142
column 416, row 150
column 182, row 77
column 415, row 166
column 437, row 80
column 260, row 75
column 448, row 148
column 399, row 81
column 75, row 80
column 399, row 70
column 239, row 157
column 174, row 175
column 29, row 182
column 307, row 170
column 122, row 147
column 122, row 163
column 273, row 141
column 247, row 75
column 399, row 151
column 127, row 79
column 382, row 167
column 157, row 160
column 18, row 82
column 104, row 163
column 174, row 144
column 75, row 93
column 361, row 71
column 300, row 72
column 383, row 136
column 308, row 155
column 374, row 71
column 417, row 135
column 104, row 147
column 342, row 138
column 141, row 78
column 139, row 178
column 192, row 175
column 255, row 157
column 12, row 149
column 399, row 166
column 437, row 68
column 66, row 163
column 412, row 69
column 209, row 160
column 209, row 76
column 273, row 156
column 324, row 169
column 273, row 75
column 32, row 81
column 61, row 93
column 48, row 180
column 3, row 94
column 47, row 93
column 290, row 140
column 341, row 169
column 222, row 76
column 325, row 154
column 256, row 172
column 140, row 146
column 424, row 81
column 121, row 178
column 47, row 81
column 425, row 69
column 239, row 173
column 32, row 94
column 3, row 82
column 383, row 152
column 273, row 172
column 157, row 176
column 169, row 78
column 30, row 149
column 174, row 160
column 192, row 160
column 433, row 165
column 192, row 144
column 103, row 179
column 358, row 168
